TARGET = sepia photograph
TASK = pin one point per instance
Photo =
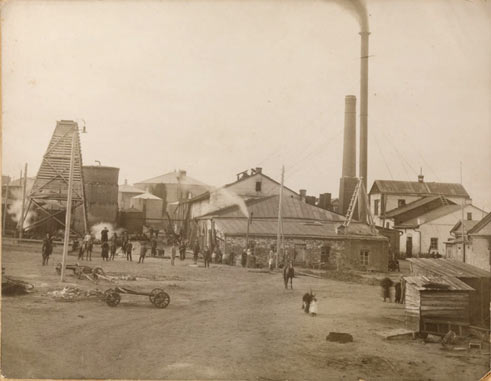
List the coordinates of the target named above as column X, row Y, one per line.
column 260, row 190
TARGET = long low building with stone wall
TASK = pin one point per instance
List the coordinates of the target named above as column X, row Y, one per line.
column 311, row 236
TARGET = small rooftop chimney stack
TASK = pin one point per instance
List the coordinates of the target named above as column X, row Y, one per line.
column 303, row 194
column 259, row 170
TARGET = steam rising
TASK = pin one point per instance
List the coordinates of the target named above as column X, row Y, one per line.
column 358, row 9
column 222, row 198
column 96, row 229
column 15, row 209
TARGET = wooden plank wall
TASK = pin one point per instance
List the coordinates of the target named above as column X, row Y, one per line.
column 445, row 305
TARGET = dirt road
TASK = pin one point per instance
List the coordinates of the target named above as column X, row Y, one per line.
column 222, row 323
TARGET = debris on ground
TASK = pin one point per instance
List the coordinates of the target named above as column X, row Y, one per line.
column 432, row 339
column 339, row 337
column 449, row 338
column 15, row 287
column 398, row 333
column 70, row 294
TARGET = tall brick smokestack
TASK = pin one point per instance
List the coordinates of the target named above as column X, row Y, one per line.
column 349, row 146
column 364, row 107
column 363, row 173
column 348, row 180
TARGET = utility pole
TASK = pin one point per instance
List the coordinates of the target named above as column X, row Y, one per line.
column 463, row 229
column 68, row 215
column 280, row 222
column 5, row 209
column 24, row 189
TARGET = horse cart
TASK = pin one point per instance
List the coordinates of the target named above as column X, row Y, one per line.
column 158, row 297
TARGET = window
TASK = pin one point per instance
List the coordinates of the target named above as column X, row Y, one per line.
column 258, row 186
column 375, row 207
column 469, row 216
column 364, row 257
column 401, row 202
column 433, row 243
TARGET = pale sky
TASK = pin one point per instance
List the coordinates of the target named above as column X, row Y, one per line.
column 216, row 87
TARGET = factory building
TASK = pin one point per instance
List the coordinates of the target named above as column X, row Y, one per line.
column 151, row 206
column 312, row 236
column 392, row 196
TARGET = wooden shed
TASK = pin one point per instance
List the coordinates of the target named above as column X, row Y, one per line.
column 437, row 304
column 478, row 279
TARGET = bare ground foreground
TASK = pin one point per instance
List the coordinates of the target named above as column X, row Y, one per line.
column 222, row 323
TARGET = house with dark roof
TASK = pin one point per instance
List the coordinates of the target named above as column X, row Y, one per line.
column 475, row 248
column 391, row 196
column 311, row 235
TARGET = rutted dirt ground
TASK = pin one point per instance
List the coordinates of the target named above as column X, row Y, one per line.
column 222, row 323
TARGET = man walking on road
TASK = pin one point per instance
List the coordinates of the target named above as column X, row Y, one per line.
column 47, row 249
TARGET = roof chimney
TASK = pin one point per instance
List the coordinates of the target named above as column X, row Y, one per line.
column 420, row 176
column 303, row 194
column 259, row 170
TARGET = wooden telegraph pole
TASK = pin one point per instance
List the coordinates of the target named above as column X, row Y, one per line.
column 24, row 190
column 280, row 222
column 68, row 215
column 463, row 229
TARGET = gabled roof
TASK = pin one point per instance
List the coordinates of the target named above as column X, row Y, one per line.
column 430, row 216
column 147, row 196
column 412, row 206
column 175, row 177
column 483, row 227
column 125, row 188
column 418, row 188
column 468, row 224
column 258, row 174
column 267, row 207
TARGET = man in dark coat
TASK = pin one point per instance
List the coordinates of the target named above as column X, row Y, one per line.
column 47, row 248
column 104, row 235
column 386, row 284
column 196, row 252
column 105, row 251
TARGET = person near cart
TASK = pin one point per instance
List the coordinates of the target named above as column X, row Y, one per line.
column 47, row 248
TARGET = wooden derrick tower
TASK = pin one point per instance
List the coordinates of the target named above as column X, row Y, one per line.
column 48, row 197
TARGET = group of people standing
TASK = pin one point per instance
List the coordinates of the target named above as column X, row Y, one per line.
column 399, row 287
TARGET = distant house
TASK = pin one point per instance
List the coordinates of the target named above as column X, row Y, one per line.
column 477, row 250
column 311, row 235
column 151, row 206
column 427, row 232
column 173, row 186
column 390, row 195
column 126, row 193
column 14, row 196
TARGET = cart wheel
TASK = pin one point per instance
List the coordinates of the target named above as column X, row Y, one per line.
column 108, row 292
column 161, row 300
column 112, row 298
column 155, row 292
column 97, row 271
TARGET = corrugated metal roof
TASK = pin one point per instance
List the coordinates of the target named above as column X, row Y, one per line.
column 292, row 208
column 483, row 226
column 411, row 206
column 291, row 228
column 448, row 267
column 173, row 178
column 468, row 224
column 430, row 216
column 418, row 188
column 438, row 283
column 125, row 188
